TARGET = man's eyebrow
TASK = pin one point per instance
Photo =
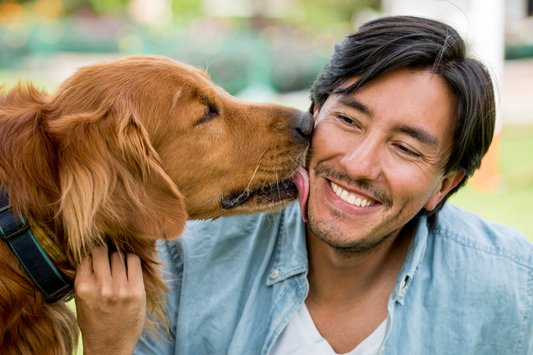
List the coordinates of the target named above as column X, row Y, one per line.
column 419, row 134
column 351, row 102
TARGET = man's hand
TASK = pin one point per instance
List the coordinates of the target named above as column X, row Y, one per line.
column 110, row 302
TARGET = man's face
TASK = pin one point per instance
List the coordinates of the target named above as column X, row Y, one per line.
column 377, row 158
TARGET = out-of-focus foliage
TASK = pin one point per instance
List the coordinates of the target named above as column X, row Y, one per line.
column 299, row 12
column 281, row 44
column 187, row 9
column 323, row 13
column 104, row 6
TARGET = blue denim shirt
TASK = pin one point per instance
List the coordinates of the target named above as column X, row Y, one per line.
column 465, row 288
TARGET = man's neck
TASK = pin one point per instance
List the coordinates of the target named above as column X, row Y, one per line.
column 335, row 277
column 348, row 297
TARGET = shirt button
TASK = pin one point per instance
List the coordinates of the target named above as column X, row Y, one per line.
column 274, row 274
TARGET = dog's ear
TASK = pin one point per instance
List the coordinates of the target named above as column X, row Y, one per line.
column 112, row 180
column 26, row 155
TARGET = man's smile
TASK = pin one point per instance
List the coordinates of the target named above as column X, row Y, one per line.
column 358, row 193
column 352, row 198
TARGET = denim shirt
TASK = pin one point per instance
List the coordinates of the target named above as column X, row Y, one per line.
column 466, row 287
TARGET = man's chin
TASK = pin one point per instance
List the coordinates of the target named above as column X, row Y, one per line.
column 346, row 246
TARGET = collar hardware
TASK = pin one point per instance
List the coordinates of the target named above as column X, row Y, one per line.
column 5, row 208
column 16, row 232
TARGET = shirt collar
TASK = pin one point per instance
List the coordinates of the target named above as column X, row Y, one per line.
column 291, row 252
column 415, row 255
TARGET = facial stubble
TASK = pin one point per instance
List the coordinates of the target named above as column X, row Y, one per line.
column 351, row 246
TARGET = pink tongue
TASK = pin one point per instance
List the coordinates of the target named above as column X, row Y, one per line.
column 301, row 179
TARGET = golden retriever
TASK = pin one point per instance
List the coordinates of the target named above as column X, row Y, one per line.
column 123, row 154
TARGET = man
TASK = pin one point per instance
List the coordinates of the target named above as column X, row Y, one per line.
column 373, row 261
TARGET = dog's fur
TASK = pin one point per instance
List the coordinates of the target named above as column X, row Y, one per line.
column 123, row 154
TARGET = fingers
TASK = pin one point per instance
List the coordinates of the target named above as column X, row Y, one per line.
column 101, row 267
column 111, row 267
column 135, row 275
column 118, row 268
column 110, row 275
column 110, row 301
column 84, row 281
column 85, row 267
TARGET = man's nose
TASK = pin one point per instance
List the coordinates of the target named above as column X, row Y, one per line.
column 362, row 159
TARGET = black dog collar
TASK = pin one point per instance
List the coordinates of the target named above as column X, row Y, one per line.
column 17, row 233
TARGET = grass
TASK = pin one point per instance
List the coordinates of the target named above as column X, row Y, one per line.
column 513, row 203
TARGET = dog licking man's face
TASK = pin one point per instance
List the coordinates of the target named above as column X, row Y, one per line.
column 228, row 156
column 123, row 153
column 225, row 156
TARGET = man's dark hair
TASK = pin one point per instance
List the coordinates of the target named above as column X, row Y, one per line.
column 390, row 43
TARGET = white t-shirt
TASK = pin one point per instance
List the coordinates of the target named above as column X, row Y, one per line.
column 300, row 337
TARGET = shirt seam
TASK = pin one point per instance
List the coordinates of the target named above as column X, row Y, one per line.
column 279, row 262
column 526, row 313
column 176, row 253
column 278, row 246
column 411, row 265
column 489, row 250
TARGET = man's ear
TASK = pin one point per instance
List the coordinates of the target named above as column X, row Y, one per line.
column 316, row 110
column 446, row 184
column 112, row 182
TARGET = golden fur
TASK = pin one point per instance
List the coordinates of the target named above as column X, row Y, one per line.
column 123, row 154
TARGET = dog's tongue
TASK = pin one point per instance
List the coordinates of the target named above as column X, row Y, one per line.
column 301, row 179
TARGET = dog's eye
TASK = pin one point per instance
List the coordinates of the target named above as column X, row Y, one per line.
column 210, row 113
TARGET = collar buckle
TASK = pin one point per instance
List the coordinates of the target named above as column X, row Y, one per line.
column 25, row 228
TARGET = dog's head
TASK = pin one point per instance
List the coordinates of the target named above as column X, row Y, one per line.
column 144, row 143
column 124, row 153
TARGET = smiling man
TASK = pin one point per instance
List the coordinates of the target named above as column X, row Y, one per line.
column 372, row 260
column 385, row 164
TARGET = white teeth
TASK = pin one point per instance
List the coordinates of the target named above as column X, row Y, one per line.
column 351, row 199
column 344, row 195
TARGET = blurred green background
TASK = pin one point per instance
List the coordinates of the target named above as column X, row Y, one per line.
column 259, row 50
column 512, row 201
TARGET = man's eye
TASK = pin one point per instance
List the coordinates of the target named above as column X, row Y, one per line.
column 408, row 151
column 347, row 120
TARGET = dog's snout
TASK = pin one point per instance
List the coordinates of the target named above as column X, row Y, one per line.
column 305, row 124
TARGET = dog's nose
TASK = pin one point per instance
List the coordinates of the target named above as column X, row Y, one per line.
column 305, row 124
